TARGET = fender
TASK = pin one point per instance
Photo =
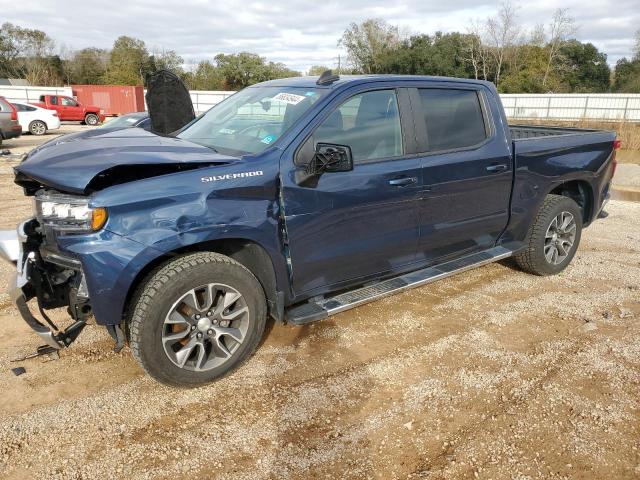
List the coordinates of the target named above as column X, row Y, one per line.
column 155, row 218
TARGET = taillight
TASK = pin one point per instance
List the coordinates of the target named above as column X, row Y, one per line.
column 614, row 162
column 14, row 113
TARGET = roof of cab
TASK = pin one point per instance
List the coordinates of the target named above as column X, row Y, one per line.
column 310, row 82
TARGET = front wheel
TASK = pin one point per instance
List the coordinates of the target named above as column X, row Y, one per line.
column 553, row 237
column 91, row 119
column 196, row 319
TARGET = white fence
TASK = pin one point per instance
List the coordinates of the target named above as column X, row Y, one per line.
column 204, row 100
column 601, row 106
column 609, row 106
column 31, row 94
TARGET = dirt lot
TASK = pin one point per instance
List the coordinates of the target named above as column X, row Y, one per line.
column 490, row 374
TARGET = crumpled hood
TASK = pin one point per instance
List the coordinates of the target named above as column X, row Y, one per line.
column 71, row 162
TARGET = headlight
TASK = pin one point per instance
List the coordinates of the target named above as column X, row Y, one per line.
column 69, row 213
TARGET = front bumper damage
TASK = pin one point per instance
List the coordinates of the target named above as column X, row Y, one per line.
column 55, row 283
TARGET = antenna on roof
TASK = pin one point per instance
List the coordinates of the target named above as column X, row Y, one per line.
column 327, row 78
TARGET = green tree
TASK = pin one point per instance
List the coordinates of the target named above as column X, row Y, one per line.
column 627, row 76
column 167, row 60
column 627, row 72
column 528, row 76
column 317, row 70
column 243, row 69
column 88, row 66
column 442, row 54
column 206, row 76
column 368, row 43
column 129, row 62
column 28, row 53
column 586, row 69
column 279, row 70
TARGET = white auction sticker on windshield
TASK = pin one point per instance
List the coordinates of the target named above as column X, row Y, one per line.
column 290, row 98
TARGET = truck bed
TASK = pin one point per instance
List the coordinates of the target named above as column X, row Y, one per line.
column 522, row 132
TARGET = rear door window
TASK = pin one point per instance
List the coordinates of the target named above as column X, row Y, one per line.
column 453, row 118
column 54, row 100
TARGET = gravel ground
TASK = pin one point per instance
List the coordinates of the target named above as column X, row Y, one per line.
column 490, row 374
column 628, row 174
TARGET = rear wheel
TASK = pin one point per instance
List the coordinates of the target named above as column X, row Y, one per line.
column 91, row 119
column 37, row 127
column 553, row 237
column 196, row 319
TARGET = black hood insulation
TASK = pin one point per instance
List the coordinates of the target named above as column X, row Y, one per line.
column 168, row 101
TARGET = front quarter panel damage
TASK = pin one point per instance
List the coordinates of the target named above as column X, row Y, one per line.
column 154, row 217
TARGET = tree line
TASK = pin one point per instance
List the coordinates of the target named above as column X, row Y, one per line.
column 546, row 59
column 30, row 54
column 498, row 49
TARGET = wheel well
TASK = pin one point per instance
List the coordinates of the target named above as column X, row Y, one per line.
column 248, row 253
column 580, row 192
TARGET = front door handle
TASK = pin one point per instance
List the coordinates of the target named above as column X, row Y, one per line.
column 497, row 168
column 403, row 182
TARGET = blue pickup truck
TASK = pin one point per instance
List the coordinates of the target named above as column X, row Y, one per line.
column 295, row 199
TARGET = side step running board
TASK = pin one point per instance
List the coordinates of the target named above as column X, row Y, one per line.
column 317, row 310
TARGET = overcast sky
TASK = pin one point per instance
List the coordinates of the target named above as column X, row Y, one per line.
column 295, row 32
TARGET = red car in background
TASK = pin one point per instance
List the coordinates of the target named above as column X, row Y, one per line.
column 70, row 109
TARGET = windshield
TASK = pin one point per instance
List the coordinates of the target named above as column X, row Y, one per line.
column 123, row 121
column 252, row 119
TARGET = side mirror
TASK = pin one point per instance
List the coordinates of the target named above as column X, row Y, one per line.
column 326, row 158
column 330, row 158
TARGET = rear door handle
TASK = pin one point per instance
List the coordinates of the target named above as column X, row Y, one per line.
column 497, row 168
column 403, row 182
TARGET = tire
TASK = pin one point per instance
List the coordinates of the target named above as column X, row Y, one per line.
column 547, row 235
column 38, row 127
column 165, row 331
column 91, row 119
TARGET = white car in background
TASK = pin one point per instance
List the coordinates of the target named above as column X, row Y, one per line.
column 36, row 120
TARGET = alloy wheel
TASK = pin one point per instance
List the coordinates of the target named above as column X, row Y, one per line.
column 38, row 128
column 560, row 237
column 205, row 327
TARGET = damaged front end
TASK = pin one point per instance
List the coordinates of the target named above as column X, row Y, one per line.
column 43, row 273
column 54, row 285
